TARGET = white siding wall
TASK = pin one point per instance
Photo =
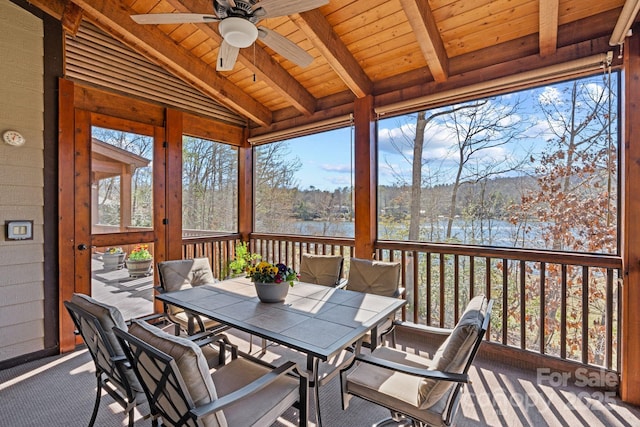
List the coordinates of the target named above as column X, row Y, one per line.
column 21, row 181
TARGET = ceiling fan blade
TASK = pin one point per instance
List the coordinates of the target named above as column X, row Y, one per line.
column 271, row 8
column 227, row 56
column 284, row 47
column 174, row 18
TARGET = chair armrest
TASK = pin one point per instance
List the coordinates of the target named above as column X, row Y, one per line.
column 121, row 360
column 342, row 283
column 147, row 318
column 245, row 391
column 424, row 328
column 410, row 370
column 399, row 292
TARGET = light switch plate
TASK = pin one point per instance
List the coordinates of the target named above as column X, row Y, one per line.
column 19, row 230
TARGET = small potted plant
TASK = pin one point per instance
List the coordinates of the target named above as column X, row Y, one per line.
column 243, row 259
column 139, row 261
column 113, row 258
column 272, row 281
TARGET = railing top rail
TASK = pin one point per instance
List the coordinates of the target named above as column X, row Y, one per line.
column 338, row 241
column 211, row 238
column 555, row 257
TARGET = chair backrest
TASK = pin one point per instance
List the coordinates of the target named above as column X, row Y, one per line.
column 321, row 269
column 182, row 274
column 173, row 372
column 456, row 354
column 374, row 277
column 95, row 321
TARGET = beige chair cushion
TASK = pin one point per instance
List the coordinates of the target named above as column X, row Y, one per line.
column 183, row 274
column 190, row 362
column 374, row 277
column 393, row 389
column 183, row 320
column 108, row 316
column 321, row 269
column 259, row 409
column 454, row 352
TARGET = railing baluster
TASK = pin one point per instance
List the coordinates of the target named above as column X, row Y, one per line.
column 563, row 313
column 456, row 287
column 585, row 314
column 609, row 319
column 428, row 290
column 505, row 303
column 523, row 305
column 472, row 276
column 487, row 284
column 442, row 278
column 543, row 306
column 416, row 282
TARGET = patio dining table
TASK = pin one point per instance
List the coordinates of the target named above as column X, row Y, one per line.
column 318, row 321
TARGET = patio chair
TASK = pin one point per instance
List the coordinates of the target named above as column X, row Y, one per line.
column 380, row 278
column 322, row 269
column 183, row 392
column 182, row 274
column 420, row 391
column 95, row 321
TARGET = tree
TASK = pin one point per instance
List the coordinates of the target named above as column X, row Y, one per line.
column 274, row 181
column 574, row 205
column 473, row 131
column 210, row 185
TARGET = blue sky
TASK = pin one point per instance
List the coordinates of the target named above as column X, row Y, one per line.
column 326, row 157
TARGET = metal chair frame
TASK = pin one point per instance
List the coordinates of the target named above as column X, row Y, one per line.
column 460, row 379
column 169, row 385
column 110, row 366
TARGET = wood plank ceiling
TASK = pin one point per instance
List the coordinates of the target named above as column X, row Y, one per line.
column 391, row 49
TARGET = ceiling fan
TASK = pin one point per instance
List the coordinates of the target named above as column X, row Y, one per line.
column 238, row 19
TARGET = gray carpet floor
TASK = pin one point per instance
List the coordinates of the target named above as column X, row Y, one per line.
column 60, row 390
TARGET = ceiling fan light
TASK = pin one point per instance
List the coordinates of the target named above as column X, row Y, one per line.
column 238, row 32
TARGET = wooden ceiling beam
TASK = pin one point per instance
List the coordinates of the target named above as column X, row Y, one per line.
column 71, row 18
column 426, row 31
column 335, row 52
column 257, row 60
column 495, row 71
column 115, row 18
column 548, row 21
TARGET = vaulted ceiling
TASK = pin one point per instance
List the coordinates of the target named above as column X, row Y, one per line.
column 391, row 49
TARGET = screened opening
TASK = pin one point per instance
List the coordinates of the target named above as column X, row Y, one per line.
column 209, row 187
column 304, row 185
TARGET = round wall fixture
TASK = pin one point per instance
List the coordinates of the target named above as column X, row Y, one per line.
column 13, row 137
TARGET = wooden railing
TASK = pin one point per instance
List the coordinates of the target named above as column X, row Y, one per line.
column 560, row 304
column 564, row 305
column 219, row 249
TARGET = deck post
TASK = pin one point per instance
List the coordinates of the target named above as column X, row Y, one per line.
column 365, row 177
column 630, row 345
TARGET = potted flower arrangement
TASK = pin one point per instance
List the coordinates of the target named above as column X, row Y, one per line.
column 139, row 261
column 272, row 281
column 113, row 258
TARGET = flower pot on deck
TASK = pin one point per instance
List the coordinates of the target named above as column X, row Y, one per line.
column 113, row 261
column 139, row 268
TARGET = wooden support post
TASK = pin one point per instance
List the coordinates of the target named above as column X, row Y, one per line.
column 245, row 189
column 173, row 182
column 66, row 214
column 365, row 178
column 630, row 369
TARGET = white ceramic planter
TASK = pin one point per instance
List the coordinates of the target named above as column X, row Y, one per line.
column 272, row 292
